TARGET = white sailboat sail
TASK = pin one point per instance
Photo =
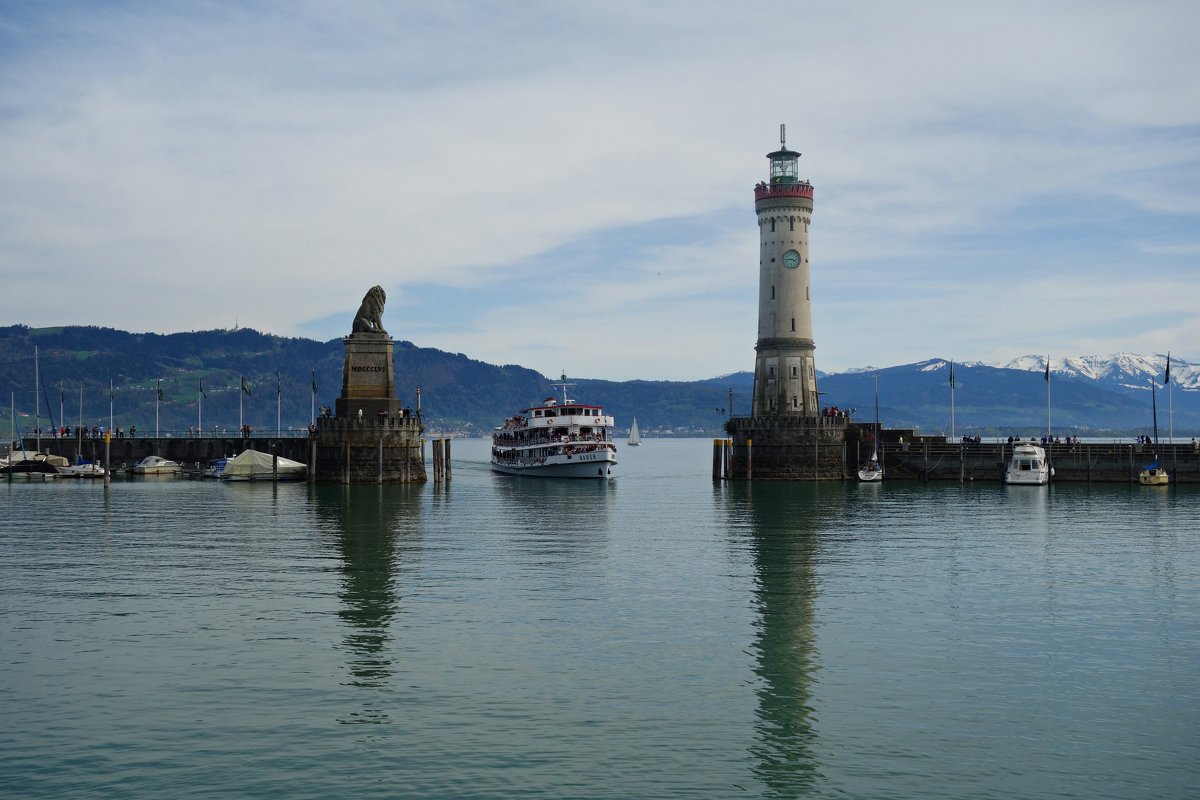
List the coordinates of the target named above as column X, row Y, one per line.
column 635, row 438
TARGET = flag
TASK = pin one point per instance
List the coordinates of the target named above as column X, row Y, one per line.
column 951, row 374
column 158, row 388
column 201, row 381
column 245, row 386
column 1167, row 377
column 1047, row 375
column 314, row 381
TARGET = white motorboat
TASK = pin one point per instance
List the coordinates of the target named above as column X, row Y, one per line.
column 156, row 465
column 1028, row 466
column 83, row 469
column 559, row 438
column 255, row 465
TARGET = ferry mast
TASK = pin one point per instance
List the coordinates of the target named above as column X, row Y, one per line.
column 785, row 376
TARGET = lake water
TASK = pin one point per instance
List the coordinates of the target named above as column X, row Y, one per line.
column 654, row 636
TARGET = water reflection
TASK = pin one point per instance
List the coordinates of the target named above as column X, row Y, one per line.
column 781, row 521
column 375, row 527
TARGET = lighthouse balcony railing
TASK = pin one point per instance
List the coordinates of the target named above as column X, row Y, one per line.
column 765, row 191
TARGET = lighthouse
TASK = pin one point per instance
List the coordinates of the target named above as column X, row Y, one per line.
column 785, row 375
column 785, row 437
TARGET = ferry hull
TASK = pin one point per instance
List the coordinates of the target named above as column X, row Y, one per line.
column 583, row 465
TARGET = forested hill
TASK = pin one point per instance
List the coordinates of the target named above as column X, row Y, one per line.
column 458, row 393
column 462, row 394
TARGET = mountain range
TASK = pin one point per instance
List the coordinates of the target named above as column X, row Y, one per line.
column 1088, row 394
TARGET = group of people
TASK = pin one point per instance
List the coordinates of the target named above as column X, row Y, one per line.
column 834, row 411
column 83, row 432
column 1046, row 440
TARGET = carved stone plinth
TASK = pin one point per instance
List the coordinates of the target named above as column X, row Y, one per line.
column 368, row 379
column 369, row 440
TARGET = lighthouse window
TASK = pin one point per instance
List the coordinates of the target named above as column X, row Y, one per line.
column 795, row 402
column 772, row 226
column 772, row 292
column 791, row 223
column 793, row 324
column 770, row 372
column 794, row 372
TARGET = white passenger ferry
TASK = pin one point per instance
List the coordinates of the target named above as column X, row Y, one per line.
column 561, row 438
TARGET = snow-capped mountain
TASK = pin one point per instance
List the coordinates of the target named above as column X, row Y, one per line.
column 1128, row 370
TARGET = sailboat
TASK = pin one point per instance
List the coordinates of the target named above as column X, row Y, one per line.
column 873, row 469
column 635, row 438
column 1153, row 474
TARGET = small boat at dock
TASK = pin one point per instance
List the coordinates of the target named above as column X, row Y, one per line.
column 255, row 465
column 156, row 465
column 1028, row 466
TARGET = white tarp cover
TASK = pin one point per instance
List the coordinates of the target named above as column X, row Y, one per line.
column 256, row 464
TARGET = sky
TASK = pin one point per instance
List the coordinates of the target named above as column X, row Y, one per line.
column 568, row 186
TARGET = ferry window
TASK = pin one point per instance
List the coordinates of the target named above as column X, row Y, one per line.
column 537, row 413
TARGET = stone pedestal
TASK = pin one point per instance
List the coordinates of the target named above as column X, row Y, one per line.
column 368, row 378
column 783, row 447
column 369, row 440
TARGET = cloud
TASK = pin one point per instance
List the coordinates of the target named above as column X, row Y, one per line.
column 272, row 161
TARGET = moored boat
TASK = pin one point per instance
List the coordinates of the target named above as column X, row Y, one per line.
column 214, row 468
column 255, row 465
column 33, row 465
column 83, row 469
column 559, row 438
column 872, row 471
column 1154, row 475
column 1028, row 466
column 156, row 465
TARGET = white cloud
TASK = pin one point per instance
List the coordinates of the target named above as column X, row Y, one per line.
column 271, row 162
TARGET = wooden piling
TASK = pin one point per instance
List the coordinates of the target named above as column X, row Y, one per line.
column 716, row 460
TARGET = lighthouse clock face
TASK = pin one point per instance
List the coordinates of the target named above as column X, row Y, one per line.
column 791, row 259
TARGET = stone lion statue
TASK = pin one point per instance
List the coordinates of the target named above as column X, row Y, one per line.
column 369, row 318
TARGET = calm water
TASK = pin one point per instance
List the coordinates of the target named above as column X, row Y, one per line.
column 653, row 636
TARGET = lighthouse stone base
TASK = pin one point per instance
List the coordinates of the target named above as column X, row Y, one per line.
column 788, row 448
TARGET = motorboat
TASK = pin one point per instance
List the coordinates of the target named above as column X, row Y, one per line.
column 557, row 438
column 214, row 468
column 33, row 465
column 156, row 465
column 255, row 465
column 83, row 469
column 1028, row 466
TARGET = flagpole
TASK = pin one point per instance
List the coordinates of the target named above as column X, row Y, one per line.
column 200, row 409
column 61, row 400
column 37, row 399
column 278, row 398
column 157, row 395
column 1170, row 402
column 1048, row 437
column 952, row 401
column 312, row 414
column 241, row 394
